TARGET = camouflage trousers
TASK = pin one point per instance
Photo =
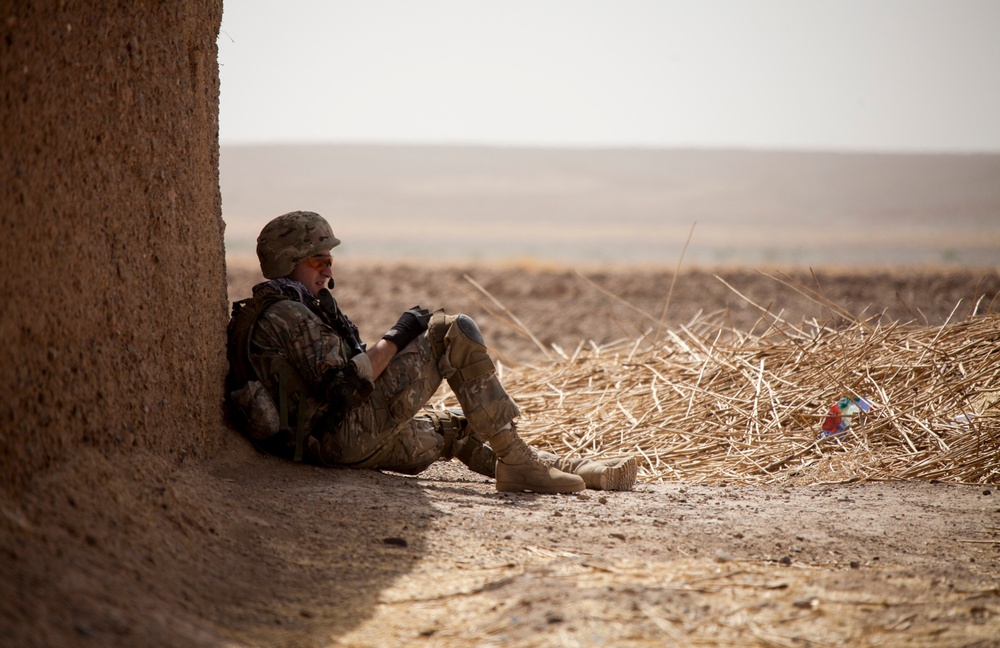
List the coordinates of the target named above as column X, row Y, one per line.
column 389, row 430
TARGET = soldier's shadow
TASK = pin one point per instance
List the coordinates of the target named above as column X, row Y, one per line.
column 314, row 547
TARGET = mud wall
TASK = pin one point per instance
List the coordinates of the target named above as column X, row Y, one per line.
column 112, row 265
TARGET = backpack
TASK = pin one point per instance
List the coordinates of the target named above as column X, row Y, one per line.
column 250, row 405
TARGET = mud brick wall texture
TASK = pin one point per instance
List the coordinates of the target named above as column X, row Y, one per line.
column 112, row 263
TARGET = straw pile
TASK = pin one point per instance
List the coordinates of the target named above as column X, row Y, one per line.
column 707, row 404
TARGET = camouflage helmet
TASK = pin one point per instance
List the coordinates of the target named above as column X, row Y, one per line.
column 289, row 238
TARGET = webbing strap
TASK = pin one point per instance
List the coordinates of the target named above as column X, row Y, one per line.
column 436, row 330
column 449, row 425
column 448, row 431
column 300, row 431
column 477, row 369
column 282, row 377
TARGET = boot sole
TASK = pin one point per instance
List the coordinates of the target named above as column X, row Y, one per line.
column 621, row 476
column 508, row 487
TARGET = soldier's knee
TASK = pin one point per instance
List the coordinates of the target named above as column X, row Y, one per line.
column 469, row 328
column 446, row 330
column 459, row 345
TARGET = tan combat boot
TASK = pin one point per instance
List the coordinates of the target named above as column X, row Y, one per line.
column 518, row 468
column 618, row 474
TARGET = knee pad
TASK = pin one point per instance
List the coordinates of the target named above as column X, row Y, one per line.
column 458, row 344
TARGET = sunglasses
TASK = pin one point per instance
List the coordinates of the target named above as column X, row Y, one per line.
column 319, row 262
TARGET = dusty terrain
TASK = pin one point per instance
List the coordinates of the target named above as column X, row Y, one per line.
column 245, row 549
column 130, row 515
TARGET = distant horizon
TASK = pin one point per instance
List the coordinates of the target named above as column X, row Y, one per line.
column 569, row 146
column 624, row 205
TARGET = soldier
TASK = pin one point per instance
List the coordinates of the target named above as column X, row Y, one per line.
column 303, row 385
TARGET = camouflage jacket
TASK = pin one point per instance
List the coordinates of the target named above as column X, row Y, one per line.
column 295, row 368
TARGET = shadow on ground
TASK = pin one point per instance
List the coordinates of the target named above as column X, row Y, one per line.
column 243, row 548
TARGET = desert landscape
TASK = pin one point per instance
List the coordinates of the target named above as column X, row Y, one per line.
column 589, row 207
column 701, row 310
column 728, row 539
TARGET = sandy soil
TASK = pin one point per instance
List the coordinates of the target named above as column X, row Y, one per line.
column 249, row 550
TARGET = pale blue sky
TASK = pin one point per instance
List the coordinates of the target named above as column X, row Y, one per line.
column 892, row 75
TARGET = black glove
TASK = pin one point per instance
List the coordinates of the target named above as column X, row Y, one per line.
column 411, row 324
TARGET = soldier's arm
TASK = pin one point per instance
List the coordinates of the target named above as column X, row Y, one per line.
column 380, row 355
column 311, row 347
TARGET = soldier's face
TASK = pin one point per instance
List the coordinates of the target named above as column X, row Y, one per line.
column 314, row 272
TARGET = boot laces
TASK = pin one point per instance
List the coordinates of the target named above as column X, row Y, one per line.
column 518, row 446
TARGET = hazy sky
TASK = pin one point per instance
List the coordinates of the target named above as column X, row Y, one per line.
column 890, row 75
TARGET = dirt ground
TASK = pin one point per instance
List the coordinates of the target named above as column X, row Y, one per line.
column 247, row 550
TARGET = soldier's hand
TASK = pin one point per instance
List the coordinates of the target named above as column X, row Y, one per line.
column 411, row 323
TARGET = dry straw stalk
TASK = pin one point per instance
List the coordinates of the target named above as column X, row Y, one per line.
column 708, row 404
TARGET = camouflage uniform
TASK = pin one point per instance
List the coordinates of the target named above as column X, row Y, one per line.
column 390, row 429
column 300, row 383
